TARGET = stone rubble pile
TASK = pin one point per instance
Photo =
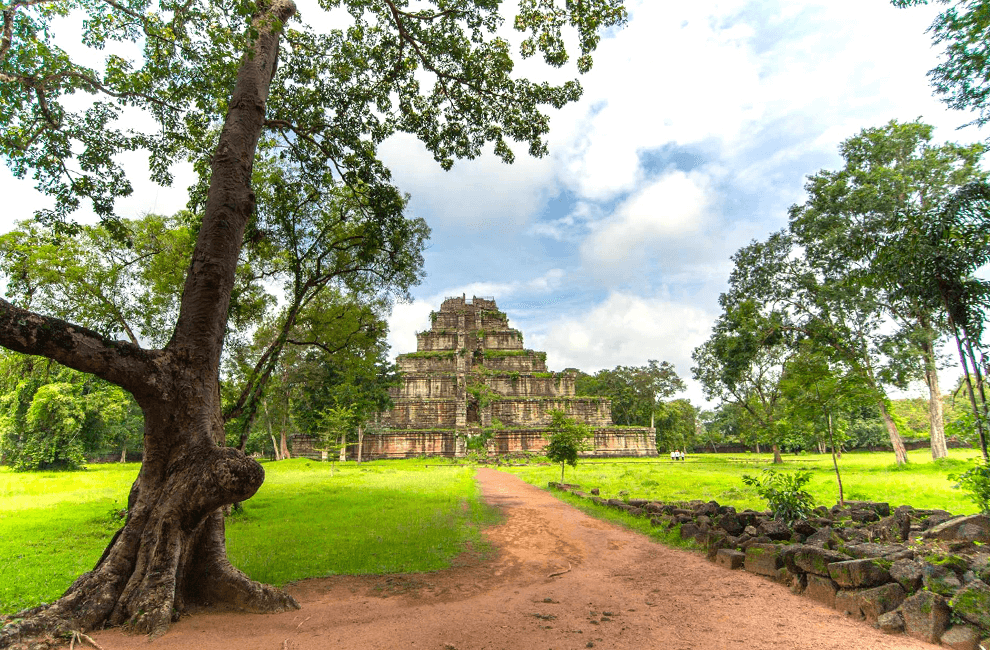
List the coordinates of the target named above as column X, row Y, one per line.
column 924, row 573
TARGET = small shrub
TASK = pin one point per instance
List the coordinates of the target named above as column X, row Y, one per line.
column 976, row 483
column 784, row 493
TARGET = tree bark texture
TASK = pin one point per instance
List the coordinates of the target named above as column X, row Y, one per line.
column 936, row 425
column 171, row 552
column 896, row 442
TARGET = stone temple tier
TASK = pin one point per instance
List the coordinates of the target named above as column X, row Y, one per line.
column 471, row 385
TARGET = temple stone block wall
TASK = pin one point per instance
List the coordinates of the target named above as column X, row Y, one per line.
column 428, row 386
column 537, row 412
column 472, row 377
column 559, row 385
column 422, row 414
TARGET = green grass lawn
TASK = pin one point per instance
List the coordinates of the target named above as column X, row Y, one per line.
column 865, row 476
column 382, row 517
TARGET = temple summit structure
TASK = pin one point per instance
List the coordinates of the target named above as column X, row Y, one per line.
column 471, row 385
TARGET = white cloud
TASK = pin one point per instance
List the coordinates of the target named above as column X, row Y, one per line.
column 625, row 329
column 669, row 210
column 476, row 194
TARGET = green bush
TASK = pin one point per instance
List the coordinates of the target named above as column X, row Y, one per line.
column 784, row 493
column 976, row 483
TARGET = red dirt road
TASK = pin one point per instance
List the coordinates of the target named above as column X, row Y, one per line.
column 619, row 590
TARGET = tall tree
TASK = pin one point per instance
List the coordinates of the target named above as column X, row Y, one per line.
column 841, row 315
column 223, row 85
column 743, row 363
column 946, row 251
column 962, row 77
column 893, row 181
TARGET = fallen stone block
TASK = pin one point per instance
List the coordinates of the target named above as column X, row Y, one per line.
column 972, row 603
column 821, row 589
column 811, row 559
column 961, row 637
column 908, row 574
column 855, row 574
column 891, row 623
column 730, row 558
column 971, row 528
column 877, row 601
column 763, row 559
column 926, row 616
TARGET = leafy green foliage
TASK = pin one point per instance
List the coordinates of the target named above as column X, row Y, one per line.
column 567, row 438
column 636, row 392
column 962, row 75
column 53, row 417
column 336, row 95
column 784, row 493
column 975, row 481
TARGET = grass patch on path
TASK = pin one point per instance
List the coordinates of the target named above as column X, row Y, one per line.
column 380, row 517
column 867, row 476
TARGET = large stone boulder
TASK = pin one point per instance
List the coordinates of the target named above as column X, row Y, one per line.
column 763, row 559
column 908, row 574
column 891, row 623
column 855, row 574
column 877, row 601
column 870, row 604
column 731, row 523
column 775, row 530
column 811, row 559
column 821, row 589
column 971, row 528
column 961, row 637
column 940, row 579
column 872, row 549
column 926, row 616
column 894, row 528
column 972, row 603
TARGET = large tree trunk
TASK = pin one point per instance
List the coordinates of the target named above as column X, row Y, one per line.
column 171, row 551
column 900, row 453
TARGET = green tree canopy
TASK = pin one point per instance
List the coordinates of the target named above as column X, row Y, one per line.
column 567, row 438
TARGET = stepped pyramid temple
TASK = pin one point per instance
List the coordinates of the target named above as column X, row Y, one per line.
column 471, row 385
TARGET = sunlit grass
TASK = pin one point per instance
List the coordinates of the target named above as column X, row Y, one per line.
column 383, row 517
column 865, row 476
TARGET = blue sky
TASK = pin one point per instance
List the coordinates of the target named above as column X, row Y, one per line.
column 697, row 129
column 698, row 126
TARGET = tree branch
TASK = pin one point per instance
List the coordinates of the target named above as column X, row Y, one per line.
column 118, row 362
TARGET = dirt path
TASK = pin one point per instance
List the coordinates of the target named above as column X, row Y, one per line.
column 618, row 590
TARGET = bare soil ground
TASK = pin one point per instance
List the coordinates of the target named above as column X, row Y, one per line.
column 561, row 580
